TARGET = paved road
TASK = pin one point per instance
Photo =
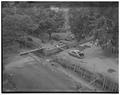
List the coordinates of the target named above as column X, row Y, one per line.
column 30, row 75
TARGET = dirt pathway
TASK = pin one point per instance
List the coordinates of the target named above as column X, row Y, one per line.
column 31, row 75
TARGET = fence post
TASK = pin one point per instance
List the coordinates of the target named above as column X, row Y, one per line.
column 111, row 86
column 80, row 71
column 104, row 82
column 74, row 67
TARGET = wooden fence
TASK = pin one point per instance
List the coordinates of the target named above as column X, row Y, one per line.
column 97, row 80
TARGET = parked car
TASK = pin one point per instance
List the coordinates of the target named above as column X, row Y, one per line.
column 76, row 53
column 61, row 45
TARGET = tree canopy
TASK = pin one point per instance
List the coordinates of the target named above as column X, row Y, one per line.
column 101, row 22
column 84, row 22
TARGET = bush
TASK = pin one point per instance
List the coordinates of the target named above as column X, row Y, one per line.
column 15, row 26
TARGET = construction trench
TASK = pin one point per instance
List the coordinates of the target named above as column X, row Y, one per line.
column 97, row 80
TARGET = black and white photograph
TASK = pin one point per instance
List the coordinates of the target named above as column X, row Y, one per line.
column 59, row 47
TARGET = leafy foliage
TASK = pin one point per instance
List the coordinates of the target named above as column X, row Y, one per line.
column 80, row 22
column 49, row 22
column 102, row 23
column 15, row 26
column 107, row 29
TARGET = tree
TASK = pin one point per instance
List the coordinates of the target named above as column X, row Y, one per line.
column 15, row 26
column 49, row 22
column 80, row 22
column 107, row 28
column 100, row 22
